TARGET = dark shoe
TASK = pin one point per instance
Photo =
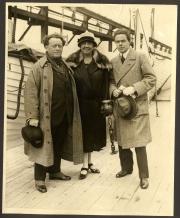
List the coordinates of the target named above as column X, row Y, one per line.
column 59, row 176
column 93, row 170
column 40, row 186
column 144, row 183
column 82, row 175
column 123, row 173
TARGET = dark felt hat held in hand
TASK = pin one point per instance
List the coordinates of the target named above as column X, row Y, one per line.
column 127, row 107
column 33, row 135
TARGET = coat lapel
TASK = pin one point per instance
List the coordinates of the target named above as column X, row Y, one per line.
column 117, row 65
column 120, row 70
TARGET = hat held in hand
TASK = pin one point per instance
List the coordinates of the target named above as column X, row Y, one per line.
column 33, row 135
column 127, row 106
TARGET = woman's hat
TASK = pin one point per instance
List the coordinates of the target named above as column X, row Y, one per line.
column 127, row 107
column 86, row 37
column 33, row 135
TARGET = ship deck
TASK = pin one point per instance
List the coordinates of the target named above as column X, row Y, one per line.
column 99, row 194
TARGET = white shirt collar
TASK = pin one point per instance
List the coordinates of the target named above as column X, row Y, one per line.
column 125, row 54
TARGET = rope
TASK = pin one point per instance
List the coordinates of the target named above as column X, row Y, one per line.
column 160, row 88
column 62, row 26
column 129, row 18
column 135, row 28
column 144, row 33
column 13, row 117
column 160, row 59
column 157, row 113
column 14, row 25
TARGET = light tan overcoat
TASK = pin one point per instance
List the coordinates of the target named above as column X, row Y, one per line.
column 37, row 99
column 135, row 71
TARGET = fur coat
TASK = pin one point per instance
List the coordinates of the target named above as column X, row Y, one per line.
column 92, row 83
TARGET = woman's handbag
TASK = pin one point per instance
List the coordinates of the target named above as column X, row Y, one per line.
column 107, row 107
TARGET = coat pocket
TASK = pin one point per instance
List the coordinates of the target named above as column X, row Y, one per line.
column 143, row 107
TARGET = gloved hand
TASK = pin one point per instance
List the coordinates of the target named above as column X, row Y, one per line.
column 129, row 90
column 116, row 92
column 33, row 122
column 121, row 88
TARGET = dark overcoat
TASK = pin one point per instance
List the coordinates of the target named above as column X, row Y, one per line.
column 37, row 103
column 136, row 71
column 92, row 83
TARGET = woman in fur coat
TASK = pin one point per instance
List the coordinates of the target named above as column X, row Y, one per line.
column 91, row 73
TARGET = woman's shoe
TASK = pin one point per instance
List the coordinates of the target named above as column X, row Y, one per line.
column 83, row 173
column 40, row 186
column 93, row 170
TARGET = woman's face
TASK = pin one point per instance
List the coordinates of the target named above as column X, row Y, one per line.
column 87, row 47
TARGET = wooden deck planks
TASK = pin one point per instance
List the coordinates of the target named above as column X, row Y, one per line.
column 100, row 194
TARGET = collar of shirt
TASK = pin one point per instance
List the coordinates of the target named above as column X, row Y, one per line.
column 124, row 54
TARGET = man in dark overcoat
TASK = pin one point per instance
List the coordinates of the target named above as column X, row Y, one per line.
column 51, row 102
column 132, row 75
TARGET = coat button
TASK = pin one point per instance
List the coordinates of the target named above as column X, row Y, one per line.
column 45, row 90
column 45, row 77
column 47, row 117
column 46, row 104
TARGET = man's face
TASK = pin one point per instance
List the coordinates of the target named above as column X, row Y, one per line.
column 54, row 48
column 87, row 47
column 122, row 43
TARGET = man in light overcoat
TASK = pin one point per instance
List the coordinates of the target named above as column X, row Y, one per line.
column 132, row 75
column 51, row 102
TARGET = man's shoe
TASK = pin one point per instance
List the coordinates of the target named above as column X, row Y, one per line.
column 123, row 173
column 40, row 186
column 144, row 183
column 59, row 176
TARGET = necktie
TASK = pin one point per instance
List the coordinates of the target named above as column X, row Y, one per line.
column 122, row 59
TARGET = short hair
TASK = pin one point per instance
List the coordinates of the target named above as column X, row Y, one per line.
column 122, row 31
column 54, row 35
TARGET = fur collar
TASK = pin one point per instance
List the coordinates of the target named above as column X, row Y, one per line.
column 101, row 60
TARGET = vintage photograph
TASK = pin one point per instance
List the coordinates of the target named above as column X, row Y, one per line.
column 89, row 120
